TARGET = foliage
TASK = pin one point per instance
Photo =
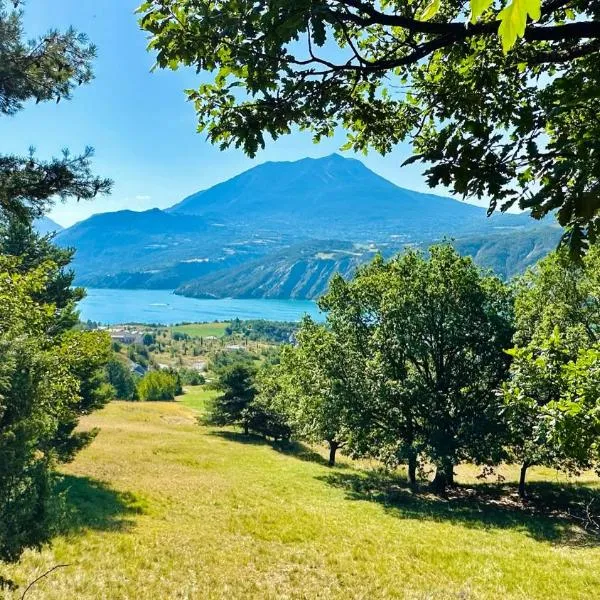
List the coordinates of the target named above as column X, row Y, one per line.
column 315, row 385
column 158, row 386
column 49, row 377
column 191, row 377
column 149, row 339
column 225, row 358
column 138, row 353
column 515, row 127
column 552, row 395
column 238, row 403
column 121, row 379
column 263, row 330
column 557, row 292
column 553, row 407
column 237, row 387
column 45, row 69
column 425, row 337
column 51, row 374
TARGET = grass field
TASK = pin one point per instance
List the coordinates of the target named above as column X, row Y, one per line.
column 202, row 329
column 163, row 508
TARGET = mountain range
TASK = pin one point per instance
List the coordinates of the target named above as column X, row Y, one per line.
column 281, row 229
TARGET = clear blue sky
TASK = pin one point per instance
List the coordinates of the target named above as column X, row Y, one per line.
column 139, row 122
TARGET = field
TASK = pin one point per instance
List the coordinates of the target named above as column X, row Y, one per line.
column 202, row 329
column 162, row 508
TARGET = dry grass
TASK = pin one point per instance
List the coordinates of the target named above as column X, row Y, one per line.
column 165, row 509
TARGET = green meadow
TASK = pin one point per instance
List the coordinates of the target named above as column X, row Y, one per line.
column 202, row 329
column 163, row 508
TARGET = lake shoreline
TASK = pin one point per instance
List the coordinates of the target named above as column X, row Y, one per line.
column 163, row 307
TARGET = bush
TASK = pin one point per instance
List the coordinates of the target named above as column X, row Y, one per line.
column 191, row 377
column 157, row 386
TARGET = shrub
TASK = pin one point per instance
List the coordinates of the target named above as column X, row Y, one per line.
column 158, row 385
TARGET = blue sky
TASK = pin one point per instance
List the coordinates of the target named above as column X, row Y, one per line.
column 139, row 122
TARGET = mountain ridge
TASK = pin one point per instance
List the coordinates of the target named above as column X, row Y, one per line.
column 261, row 214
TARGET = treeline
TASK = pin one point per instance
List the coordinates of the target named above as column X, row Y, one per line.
column 276, row 332
column 427, row 361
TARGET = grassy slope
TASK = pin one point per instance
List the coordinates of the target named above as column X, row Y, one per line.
column 185, row 512
column 202, row 329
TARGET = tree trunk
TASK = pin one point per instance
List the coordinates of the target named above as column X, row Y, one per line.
column 522, row 477
column 246, row 429
column 333, row 446
column 444, row 477
column 412, row 469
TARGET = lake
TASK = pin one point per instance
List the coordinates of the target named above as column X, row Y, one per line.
column 162, row 306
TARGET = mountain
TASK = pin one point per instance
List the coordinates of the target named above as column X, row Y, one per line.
column 255, row 233
column 122, row 247
column 45, row 225
column 336, row 197
column 304, row 271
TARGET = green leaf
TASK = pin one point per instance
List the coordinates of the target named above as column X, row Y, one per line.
column 430, row 10
column 514, row 20
column 478, row 7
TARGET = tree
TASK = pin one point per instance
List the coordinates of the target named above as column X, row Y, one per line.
column 553, row 407
column 515, row 127
column 48, row 68
column 552, row 392
column 51, row 374
column 48, row 379
column 85, row 351
column 158, row 386
column 232, row 407
column 558, row 292
column 148, row 339
column 314, row 387
column 121, row 379
column 433, row 329
column 19, row 239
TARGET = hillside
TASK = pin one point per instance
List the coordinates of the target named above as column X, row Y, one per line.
column 128, row 246
column 304, row 271
column 162, row 508
column 232, row 239
column 300, row 272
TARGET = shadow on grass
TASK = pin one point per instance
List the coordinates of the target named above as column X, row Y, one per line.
column 92, row 504
column 561, row 514
column 289, row 448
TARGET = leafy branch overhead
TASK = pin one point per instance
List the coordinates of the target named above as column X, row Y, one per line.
column 41, row 70
column 499, row 98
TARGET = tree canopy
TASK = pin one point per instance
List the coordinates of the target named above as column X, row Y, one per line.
column 44, row 69
column 515, row 127
column 553, row 389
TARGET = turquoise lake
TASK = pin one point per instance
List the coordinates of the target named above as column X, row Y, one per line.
column 162, row 306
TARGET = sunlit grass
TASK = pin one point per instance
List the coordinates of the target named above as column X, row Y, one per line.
column 202, row 329
column 163, row 508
